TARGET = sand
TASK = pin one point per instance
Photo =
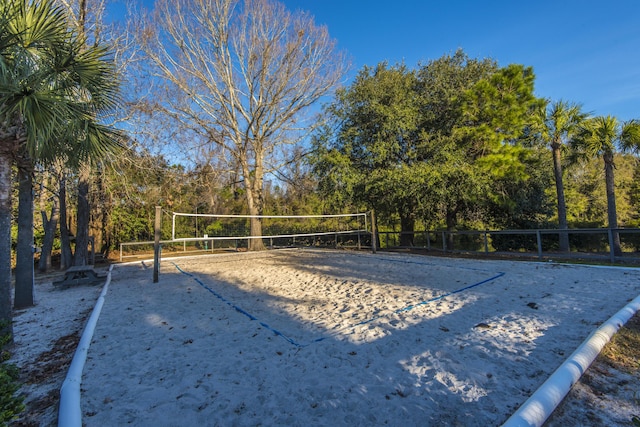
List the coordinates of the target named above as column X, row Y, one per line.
column 305, row 337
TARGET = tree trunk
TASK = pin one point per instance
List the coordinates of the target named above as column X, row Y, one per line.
column 256, row 230
column 24, row 249
column 50, row 225
column 81, row 255
column 255, row 224
column 65, row 241
column 611, row 202
column 6, row 327
column 562, row 207
column 407, row 227
column 255, row 201
column 102, row 240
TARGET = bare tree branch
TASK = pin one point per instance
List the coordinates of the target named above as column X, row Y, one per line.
column 242, row 75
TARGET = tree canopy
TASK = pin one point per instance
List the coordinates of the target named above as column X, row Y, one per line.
column 437, row 142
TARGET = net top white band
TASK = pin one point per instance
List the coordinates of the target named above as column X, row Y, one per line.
column 267, row 216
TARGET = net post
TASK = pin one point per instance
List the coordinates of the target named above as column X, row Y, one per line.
column 173, row 226
column 156, row 244
column 374, row 238
column 539, row 242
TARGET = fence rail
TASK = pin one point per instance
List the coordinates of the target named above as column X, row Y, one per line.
column 592, row 242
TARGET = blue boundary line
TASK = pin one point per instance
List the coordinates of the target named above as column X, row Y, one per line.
column 425, row 302
column 364, row 322
column 235, row 307
column 411, row 261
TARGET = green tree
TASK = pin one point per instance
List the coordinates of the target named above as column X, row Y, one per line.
column 561, row 122
column 634, row 196
column 600, row 137
column 456, row 188
column 52, row 88
column 530, row 204
column 495, row 113
column 442, row 141
column 378, row 142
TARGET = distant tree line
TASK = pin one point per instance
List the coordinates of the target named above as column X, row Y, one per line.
column 427, row 148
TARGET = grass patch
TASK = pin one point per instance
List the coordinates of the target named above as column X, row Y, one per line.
column 623, row 351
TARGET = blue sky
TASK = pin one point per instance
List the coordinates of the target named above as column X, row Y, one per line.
column 581, row 51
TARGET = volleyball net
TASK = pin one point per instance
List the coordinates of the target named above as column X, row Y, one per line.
column 276, row 230
column 198, row 232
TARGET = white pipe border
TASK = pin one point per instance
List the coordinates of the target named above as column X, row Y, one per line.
column 536, row 410
column 70, row 413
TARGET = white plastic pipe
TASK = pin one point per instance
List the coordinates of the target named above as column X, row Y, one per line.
column 536, row 410
column 70, row 413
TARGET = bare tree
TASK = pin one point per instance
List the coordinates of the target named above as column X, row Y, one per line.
column 241, row 74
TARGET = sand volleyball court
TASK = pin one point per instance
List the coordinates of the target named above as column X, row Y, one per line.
column 305, row 337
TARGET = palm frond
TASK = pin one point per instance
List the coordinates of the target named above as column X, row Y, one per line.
column 88, row 140
column 40, row 24
column 630, row 136
column 54, row 84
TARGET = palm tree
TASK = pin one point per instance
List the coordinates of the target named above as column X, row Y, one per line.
column 561, row 122
column 52, row 89
column 599, row 138
column 630, row 136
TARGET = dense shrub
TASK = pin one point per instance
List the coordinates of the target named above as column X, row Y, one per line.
column 10, row 404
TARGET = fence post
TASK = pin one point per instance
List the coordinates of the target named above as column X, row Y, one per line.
column 486, row 243
column 428, row 240
column 444, row 242
column 539, row 241
column 374, row 232
column 120, row 252
column 156, row 245
column 612, row 253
